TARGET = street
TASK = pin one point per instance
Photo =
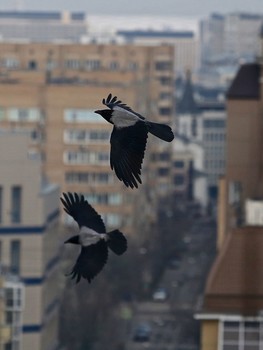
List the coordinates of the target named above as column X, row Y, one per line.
column 171, row 322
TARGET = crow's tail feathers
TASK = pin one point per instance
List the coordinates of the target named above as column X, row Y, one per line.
column 164, row 132
column 117, row 242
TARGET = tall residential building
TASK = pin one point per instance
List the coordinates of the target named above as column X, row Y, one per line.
column 244, row 164
column 77, row 27
column 230, row 38
column 29, row 212
column 42, row 26
column 52, row 90
column 11, row 310
column 185, row 43
column 231, row 315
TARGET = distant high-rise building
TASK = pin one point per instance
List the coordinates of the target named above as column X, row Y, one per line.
column 42, row 26
column 204, row 123
column 231, row 314
column 52, row 90
column 231, row 38
column 29, row 240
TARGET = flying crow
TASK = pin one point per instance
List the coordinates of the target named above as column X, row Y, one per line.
column 92, row 237
column 129, row 138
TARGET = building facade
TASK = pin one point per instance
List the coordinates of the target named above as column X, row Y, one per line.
column 231, row 315
column 11, row 310
column 29, row 239
column 204, row 123
column 52, row 91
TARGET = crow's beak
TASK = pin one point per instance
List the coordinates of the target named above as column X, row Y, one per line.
column 73, row 240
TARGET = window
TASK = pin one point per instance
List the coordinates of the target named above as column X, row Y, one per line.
column 132, row 66
column 178, row 179
column 32, row 65
column 86, row 157
column 241, row 335
column 87, row 177
column 24, row 114
column 9, row 298
column 72, row 64
column 11, row 63
column 165, row 111
column 163, row 65
column 165, row 95
column 164, row 156
column 165, row 81
column 82, row 116
column 1, row 204
column 179, row 164
column 163, row 171
column 9, row 317
column 114, row 65
column 104, row 198
column 75, row 136
column 112, row 220
column 15, row 247
column 214, row 123
column 92, row 64
column 16, row 199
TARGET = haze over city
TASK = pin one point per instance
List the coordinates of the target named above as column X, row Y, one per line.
column 127, row 7
column 143, row 120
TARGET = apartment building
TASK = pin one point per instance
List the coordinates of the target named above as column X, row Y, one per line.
column 243, row 180
column 231, row 314
column 42, row 26
column 29, row 241
column 11, row 310
column 229, row 38
column 52, row 90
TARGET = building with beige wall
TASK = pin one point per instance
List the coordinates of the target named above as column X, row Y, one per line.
column 52, row 91
column 244, row 162
column 231, row 315
column 29, row 238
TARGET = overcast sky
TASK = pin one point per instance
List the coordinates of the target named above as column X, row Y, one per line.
column 148, row 7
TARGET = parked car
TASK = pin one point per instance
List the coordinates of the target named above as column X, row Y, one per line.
column 160, row 294
column 142, row 332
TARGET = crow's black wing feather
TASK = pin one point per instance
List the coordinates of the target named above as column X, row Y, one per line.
column 82, row 212
column 127, row 152
column 90, row 262
column 112, row 102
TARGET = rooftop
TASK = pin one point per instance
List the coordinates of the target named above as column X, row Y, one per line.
column 40, row 15
column 246, row 84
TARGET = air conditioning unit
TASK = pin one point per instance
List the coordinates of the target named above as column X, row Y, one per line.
column 254, row 212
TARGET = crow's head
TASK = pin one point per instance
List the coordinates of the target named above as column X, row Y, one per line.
column 73, row 240
column 105, row 113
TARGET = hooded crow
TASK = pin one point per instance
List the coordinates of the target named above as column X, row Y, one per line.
column 92, row 238
column 129, row 138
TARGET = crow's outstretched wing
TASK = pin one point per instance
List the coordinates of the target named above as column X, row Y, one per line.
column 90, row 262
column 82, row 212
column 112, row 102
column 127, row 152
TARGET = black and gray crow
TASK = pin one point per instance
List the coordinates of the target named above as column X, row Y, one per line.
column 129, row 138
column 92, row 237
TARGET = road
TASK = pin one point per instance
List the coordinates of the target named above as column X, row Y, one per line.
column 172, row 322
